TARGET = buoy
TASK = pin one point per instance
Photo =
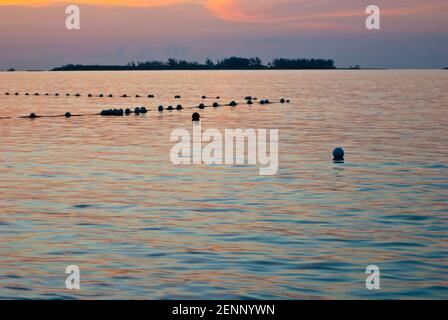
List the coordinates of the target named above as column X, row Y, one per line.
column 201, row 106
column 233, row 104
column 101, row 95
column 288, row 101
column 170, row 108
column 68, row 114
column 248, row 98
column 77, row 95
column 150, row 96
column 137, row 110
column 16, row 93
column 33, row 115
column 160, row 108
column 7, row 93
column 338, row 154
column 218, row 97
column 90, row 95
column 177, row 97
column 215, row 105
column 282, row 100
column 111, row 96
column 47, row 94
column 137, row 96
column 127, row 111
column 249, row 102
column 143, row 110
column 204, row 97
column 27, row 94
column 36, row 94
column 56, row 94
column 196, row 116
column 179, row 107
column 124, row 96
column 67, row 94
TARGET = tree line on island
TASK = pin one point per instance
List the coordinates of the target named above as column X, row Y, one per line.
column 233, row 63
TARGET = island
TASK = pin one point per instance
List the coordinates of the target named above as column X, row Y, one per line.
column 233, row 63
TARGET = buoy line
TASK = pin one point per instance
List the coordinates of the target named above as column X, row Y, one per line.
column 144, row 110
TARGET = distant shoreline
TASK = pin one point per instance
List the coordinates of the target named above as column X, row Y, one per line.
column 232, row 63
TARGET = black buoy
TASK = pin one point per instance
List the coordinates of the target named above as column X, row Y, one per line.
column 143, row 110
column 7, row 93
column 124, row 96
column 196, row 116
column 67, row 94
column 170, row 108
column 56, row 94
column 201, row 106
column 218, row 97
column 204, row 97
column 27, row 94
column 77, row 95
column 111, row 95
column 288, row 101
column 137, row 96
column 282, row 100
column 177, row 97
column 248, row 98
column 89, row 95
column 36, row 94
column 160, row 108
column 215, row 105
column 117, row 112
column 33, row 115
column 127, row 111
column 338, row 154
column 233, row 104
column 101, row 95
column 16, row 93
column 47, row 94
column 150, row 96
column 249, row 102
column 179, row 107
column 137, row 110
column 68, row 114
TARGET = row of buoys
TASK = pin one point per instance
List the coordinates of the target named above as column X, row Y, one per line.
column 143, row 110
column 101, row 95
column 249, row 99
column 121, row 112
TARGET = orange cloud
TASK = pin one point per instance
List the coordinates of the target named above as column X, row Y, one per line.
column 129, row 3
column 294, row 14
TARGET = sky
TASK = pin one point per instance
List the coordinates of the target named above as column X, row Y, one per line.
column 413, row 34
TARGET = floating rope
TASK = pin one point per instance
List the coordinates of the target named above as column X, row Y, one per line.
column 144, row 110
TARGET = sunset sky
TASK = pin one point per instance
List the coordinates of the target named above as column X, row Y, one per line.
column 414, row 33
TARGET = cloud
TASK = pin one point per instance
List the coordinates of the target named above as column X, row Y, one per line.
column 296, row 14
column 130, row 3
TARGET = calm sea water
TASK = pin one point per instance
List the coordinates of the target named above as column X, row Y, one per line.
column 101, row 193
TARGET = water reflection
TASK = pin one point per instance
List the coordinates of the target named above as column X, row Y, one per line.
column 101, row 193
